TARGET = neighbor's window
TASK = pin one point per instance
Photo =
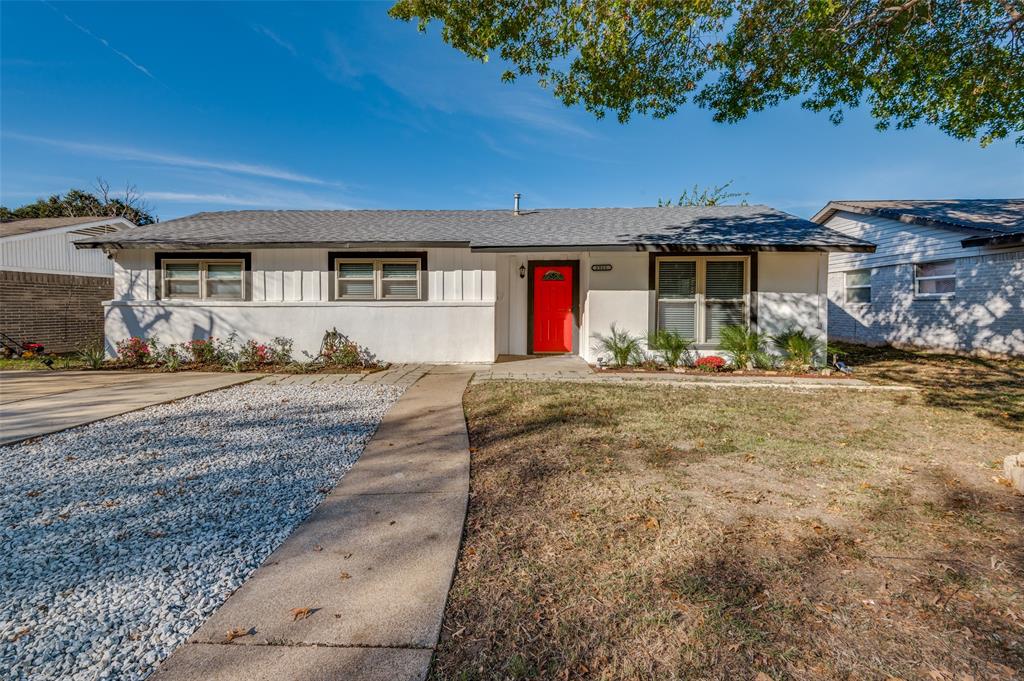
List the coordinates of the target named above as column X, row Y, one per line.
column 698, row 296
column 858, row 286
column 204, row 279
column 377, row 279
column 935, row 278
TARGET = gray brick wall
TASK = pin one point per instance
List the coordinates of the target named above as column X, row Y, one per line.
column 63, row 312
column 985, row 316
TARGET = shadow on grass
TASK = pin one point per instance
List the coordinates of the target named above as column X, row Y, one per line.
column 992, row 389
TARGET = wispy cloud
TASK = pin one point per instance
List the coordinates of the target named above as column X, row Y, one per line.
column 274, row 37
column 259, row 198
column 220, row 199
column 454, row 85
column 103, row 41
column 493, row 145
column 132, row 154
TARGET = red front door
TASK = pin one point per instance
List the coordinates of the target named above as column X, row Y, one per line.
column 552, row 308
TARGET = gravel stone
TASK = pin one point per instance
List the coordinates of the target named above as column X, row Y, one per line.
column 119, row 538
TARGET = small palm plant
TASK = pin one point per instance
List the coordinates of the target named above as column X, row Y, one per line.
column 745, row 346
column 672, row 347
column 623, row 346
column 93, row 355
column 798, row 348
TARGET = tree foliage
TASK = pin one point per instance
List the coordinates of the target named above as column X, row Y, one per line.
column 955, row 64
column 80, row 203
column 714, row 195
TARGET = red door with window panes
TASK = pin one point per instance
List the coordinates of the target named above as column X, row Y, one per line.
column 552, row 308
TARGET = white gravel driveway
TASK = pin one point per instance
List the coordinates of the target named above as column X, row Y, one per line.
column 117, row 539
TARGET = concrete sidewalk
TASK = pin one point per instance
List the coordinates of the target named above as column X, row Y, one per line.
column 372, row 564
column 35, row 403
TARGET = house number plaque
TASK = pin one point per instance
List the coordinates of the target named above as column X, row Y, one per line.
column 600, row 268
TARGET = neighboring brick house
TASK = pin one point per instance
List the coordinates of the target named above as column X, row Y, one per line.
column 51, row 292
column 946, row 275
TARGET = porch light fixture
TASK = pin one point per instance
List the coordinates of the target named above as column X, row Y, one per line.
column 522, row 271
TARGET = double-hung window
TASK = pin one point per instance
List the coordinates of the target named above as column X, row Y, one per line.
column 858, row 286
column 934, row 279
column 203, row 279
column 698, row 296
column 377, row 279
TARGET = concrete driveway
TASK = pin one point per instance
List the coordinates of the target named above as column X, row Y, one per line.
column 34, row 403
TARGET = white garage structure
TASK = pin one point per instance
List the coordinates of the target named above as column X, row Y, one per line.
column 467, row 286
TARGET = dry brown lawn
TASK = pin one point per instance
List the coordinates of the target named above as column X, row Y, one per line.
column 654, row 532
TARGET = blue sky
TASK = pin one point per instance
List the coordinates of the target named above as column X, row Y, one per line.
column 265, row 105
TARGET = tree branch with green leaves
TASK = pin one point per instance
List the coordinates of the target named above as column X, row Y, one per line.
column 955, row 64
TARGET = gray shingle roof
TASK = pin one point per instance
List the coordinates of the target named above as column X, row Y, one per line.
column 988, row 220
column 645, row 228
column 27, row 226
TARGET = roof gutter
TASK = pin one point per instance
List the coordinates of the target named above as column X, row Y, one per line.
column 681, row 248
column 205, row 245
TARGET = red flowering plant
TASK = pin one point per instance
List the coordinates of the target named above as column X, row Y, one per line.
column 255, row 354
column 202, row 351
column 711, row 363
column 133, row 351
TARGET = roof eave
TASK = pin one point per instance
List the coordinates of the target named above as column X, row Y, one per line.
column 994, row 240
column 833, row 207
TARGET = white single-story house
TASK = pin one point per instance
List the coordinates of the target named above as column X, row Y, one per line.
column 470, row 285
column 948, row 274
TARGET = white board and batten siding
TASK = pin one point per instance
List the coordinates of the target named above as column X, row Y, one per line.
column 897, row 242
column 52, row 251
column 301, row 275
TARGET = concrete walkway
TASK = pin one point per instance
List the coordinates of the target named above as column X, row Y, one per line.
column 34, row 403
column 372, row 564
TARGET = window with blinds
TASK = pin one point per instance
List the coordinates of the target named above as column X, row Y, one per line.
column 358, row 279
column 677, row 297
column 699, row 296
column 203, row 279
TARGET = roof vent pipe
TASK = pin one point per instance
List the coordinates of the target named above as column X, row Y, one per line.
column 515, row 204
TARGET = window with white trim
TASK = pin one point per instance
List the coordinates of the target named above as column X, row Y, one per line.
column 379, row 279
column 203, row 279
column 934, row 279
column 698, row 296
column 858, row 286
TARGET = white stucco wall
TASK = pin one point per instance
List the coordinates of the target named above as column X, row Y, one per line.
column 792, row 291
column 395, row 332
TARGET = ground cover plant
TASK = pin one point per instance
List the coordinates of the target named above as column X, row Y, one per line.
column 638, row 532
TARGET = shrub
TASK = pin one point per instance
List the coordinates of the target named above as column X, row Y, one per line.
column 133, row 351
column 200, row 350
column 281, row 350
column 746, row 347
column 224, row 352
column 169, row 356
column 799, row 350
column 339, row 350
column 672, row 347
column 711, row 363
column 93, row 355
column 254, row 354
column 623, row 346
